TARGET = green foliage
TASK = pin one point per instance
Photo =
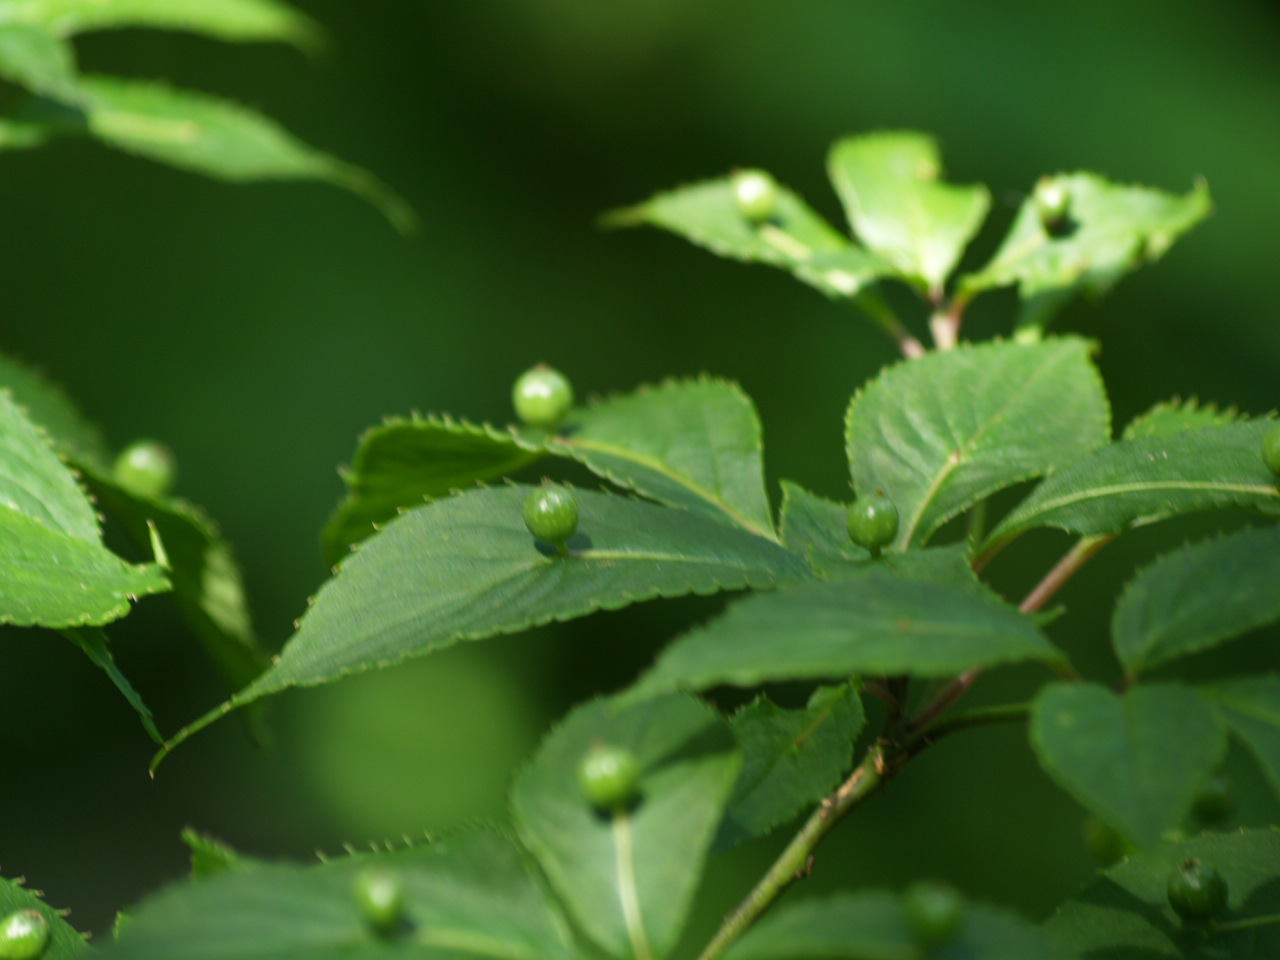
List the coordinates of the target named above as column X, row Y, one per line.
column 63, row 940
column 1250, row 707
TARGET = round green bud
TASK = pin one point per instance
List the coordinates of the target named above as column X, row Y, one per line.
column 609, row 776
column 145, row 468
column 24, row 935
column 872, row 522
column 379, row 895
column 1271, row 449
column 542, row 396
column 933, row 911
column 1196, row 891
column 756, row 194
column 551, row 514
column 1106, row 845
column 1053, row 205
column 1215, row 801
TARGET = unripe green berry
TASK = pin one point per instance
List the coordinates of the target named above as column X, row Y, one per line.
column 609, row 776
column 24, row 935
column 1215, row 801
column 145, row 468
column 379, row 894
column 551, row 514
column 1053, row 205
column 542, row 396
column 756, row 194
column 933, row 911
column 1271, row 449
column 872, row 522
column 1196, row 891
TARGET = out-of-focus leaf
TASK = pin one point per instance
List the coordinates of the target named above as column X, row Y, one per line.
column 34, row 57
column 46, row 404
column 1250, row 706
column 1174, row 416
column 210, row 857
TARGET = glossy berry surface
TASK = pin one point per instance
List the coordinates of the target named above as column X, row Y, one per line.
column 551, row 514
column 1053, row 205
column 609, row 776
column 933, row 911
column 145, row 468
column 1196, row 891
column 1215, row 801
column 756, row 194
column 542, row 396
column 379, row 894
column 1271, row 449
column 24, row 935
column 872, row 522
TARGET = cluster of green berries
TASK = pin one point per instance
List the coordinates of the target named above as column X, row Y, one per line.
column 609, row 777
column 1196, row 892
column 872, row 522
column 379, row 895
column 24, row 935
column 145, row 468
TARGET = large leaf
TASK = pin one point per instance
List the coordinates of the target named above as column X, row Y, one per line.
column 1113, row 229
column 1125, row 913
column 1135, row 760
column 93, row 642
column 629, row 876
column 795, row 238
column 47, row 405
column 402, row 463
column 898, row 208
column 940, row 433
column 790, row 759
column 224, row 19
column 875, row 623
column 1197, row 597
column 1151, row 478
column 64, row 941
column 870, row 925
column 217, row 138
column 465, row 568
column 34, row 57
column 1250, row 706
column 467, row 895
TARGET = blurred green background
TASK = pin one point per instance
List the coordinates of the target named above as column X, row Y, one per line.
column 258, row 330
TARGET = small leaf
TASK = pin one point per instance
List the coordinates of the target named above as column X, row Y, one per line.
column 1132, row 482
column 629, row 877
column 1197, row 597
column 1136, row 760
column 875, row 623
column 46, row 404
column 34, row 57
column 1174, row 416
column 794, row 239
column 1250, row 706
column 1125, row 914
column 1113, row 229
column 94, row 644
column 210, row 857
column 790, row 759
column 869, row 925
column 244, row 20
column 941, row 433
column 898, row 208
column 816, row 528
column 469, row 894
column 64, row 940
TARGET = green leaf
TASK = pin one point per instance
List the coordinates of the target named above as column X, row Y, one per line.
column 1125, row 913
column 790, row 759
column 869, row 925
column 210, row 857
column 794, row 239
column 875, row 623
column 64, row 940
column 686, row 443
column 1136, row 760
column 24, row 134
column 235, row 20
column 46, row 404
column 816, row 528
column 628, row 877
column 465, row 567
column 402, row 463
column 941, row 433
column 889, row 185
column 218, row 138
column 1174, row 416
column 33, row 57
column 94, row 644
column 1113, row 230
column 1197, row 597
column 1148, row 479
column 471, row 894
column 1250, row 706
